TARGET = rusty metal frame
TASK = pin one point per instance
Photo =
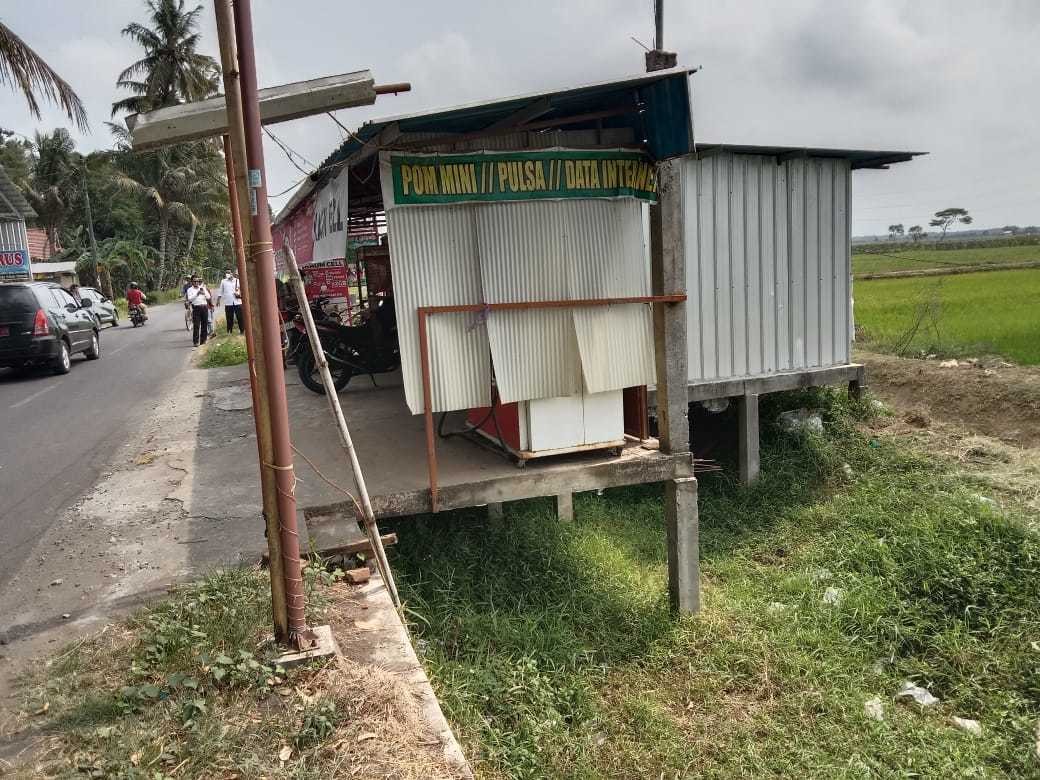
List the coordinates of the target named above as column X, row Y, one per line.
column 423, row 312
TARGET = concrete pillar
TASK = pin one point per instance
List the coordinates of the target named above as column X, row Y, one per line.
column 668, row 277
column 565, row 506
column 495, row 510
column 682, row 528
column 859, row 384
column 747, row 418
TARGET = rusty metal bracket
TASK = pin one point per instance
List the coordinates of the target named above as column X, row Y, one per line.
column 423, row 312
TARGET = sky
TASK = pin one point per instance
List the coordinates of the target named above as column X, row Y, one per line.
column 952, row 78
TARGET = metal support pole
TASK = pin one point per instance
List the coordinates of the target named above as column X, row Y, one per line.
column 235, row 156
column 261, row 252
column 368, row 516
column 659, row 25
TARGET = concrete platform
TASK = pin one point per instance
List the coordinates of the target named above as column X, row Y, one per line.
column 391, row 446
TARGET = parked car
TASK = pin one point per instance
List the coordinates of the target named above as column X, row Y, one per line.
column 102, row 308
column 42, row 325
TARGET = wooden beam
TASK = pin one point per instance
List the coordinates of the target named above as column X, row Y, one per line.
column 528, row 113
column 206, row 118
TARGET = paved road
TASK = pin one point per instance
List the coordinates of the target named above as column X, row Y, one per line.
column 58, row 433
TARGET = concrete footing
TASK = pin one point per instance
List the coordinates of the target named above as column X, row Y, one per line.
column 682, row 528
column 565, row 506
column 748, row 438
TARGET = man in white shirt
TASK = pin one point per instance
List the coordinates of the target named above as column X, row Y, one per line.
column 198, row 297
column 230, row 292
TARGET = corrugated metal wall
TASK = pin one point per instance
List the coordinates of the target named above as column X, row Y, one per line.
column 524, row 257
column 767, row 264
column 434, row 253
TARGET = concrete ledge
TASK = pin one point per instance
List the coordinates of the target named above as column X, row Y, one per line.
column 774, row 383
column 635, row 466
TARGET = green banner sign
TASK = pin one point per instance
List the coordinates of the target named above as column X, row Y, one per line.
column 504, row 176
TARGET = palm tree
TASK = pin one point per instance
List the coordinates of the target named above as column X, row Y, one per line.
column 51, row 185
column 181, row 183
column 24, row 69
column 130, row 256
column 171, row 70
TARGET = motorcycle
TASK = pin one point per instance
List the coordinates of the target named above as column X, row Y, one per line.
column 369, row 348
column 136, row 315
column 294, row 336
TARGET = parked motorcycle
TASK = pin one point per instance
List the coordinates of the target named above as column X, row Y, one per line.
column 295, row 333
column 369, row 348
column 136, row 315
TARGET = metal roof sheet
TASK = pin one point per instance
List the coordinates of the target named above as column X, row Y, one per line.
column 12, row 202
column 664, row 118
column 860, row 158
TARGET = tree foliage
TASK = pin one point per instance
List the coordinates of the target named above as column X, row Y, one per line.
column 24, row 69
column 947, row 217
column 171, row 70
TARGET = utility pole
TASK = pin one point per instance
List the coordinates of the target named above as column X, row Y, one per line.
column 659, row 59
column 90, row 232
column 235, row 160
column 260, row 251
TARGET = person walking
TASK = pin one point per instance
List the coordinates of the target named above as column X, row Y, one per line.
column 198, row 297
column 230, row 292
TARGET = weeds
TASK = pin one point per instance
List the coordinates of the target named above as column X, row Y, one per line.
column 223, row 350
column 554, row 653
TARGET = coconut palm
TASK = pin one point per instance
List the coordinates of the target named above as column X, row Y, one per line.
column 129, row 256
column 171, row 70
column 50, row 188
column 24, row 69
column 181, row 183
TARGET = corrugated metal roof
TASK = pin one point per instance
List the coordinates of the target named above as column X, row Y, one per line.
column 656, row 104
column 12, row 203
column 859, row 158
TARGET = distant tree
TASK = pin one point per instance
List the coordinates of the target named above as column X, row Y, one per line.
column 917, row 232
column 171, row 70
column 894, row 231
column 943, row 219
column 15, row 156
column 25, row 70
column 51, row 183
column 1011, row 229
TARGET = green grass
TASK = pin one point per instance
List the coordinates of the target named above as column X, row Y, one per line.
column 554, row 653
column 222, row 349
column 189, row 688
column 903, row 259
column 993, row 312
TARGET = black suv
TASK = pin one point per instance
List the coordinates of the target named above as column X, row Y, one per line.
column 41, row 324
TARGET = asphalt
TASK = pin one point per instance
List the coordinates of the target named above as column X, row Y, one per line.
column 59, row 433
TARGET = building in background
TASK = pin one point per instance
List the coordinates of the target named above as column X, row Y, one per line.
column 15, row 261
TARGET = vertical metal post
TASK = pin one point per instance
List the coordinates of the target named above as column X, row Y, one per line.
column 659, row 25
column 235, row 155
column 90, row 233
column 260, row 250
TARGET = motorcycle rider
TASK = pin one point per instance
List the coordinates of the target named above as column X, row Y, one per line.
column 134, row 297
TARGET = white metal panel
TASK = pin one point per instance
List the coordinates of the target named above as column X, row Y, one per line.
column 523, row 257
column 434, row 254
column 608, row 259
column 555, row 423
column 603, row 417
column 767, row 259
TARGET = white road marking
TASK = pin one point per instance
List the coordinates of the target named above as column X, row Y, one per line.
column 29, row 398
column 117, row 350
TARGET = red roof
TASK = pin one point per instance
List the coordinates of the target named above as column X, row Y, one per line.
column 38, row 249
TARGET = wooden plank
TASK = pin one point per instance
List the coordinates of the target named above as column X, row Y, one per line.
column 208, row 118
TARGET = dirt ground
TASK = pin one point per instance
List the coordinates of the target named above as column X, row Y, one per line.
column 984, row 414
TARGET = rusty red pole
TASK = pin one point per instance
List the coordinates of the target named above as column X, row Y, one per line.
column 261, row 250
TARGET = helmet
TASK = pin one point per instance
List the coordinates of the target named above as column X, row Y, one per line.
column 133, row 285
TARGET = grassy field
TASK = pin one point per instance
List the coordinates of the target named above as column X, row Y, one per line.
column 900, row 259
column 554, row 654
column 994, row 313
